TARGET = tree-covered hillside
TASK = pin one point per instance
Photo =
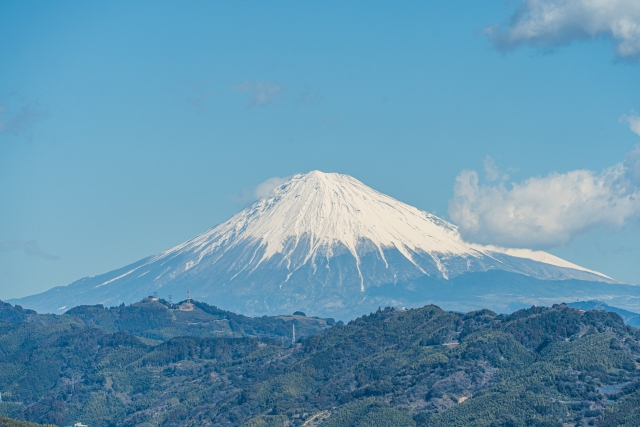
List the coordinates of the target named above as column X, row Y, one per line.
column 424, row 367
column 8, row 422
column 160, row 320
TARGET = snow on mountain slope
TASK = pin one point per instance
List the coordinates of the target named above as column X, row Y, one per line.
column 329, row 210
column 324, row 242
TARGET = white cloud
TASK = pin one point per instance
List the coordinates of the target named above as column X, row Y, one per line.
column 265, row 189
column 631, row 166
column 490, row 169
column 261, row 191
column 261, row 93
column 550, row 23
column 544, row 212
column 633, row 120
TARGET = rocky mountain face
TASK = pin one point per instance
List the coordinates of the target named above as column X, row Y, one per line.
column 328, row 245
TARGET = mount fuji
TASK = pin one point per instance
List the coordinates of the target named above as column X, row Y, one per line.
column 327, row 244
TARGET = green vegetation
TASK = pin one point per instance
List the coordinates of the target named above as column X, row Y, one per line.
column 626, row 412
column 424, row 367
column 266, row 421
column 8, row 422
column 161, row 320
column 369, row 413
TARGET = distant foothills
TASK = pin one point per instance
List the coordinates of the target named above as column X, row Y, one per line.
column 328, row 245
column 158, row 363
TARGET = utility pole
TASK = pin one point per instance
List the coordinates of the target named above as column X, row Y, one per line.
column 293, row 339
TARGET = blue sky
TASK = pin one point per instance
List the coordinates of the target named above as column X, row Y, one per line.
column 129, row 127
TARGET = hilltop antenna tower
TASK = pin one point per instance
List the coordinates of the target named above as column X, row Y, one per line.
column 187, row 306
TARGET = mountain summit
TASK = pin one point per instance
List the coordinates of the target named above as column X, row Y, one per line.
column 327, row 244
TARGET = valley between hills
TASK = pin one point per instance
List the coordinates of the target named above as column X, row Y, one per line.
column 152, row 364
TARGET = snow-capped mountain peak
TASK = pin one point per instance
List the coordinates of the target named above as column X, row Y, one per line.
column 327, row 244
column 312, row 213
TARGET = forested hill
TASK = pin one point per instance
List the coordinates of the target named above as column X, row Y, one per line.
column 8, row 422
column 423, row 367
column 160, row 320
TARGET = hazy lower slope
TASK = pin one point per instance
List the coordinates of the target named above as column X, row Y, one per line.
column 629, row 317
column 329, row 245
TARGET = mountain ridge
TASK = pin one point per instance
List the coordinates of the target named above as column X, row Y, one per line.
column 540, row 366
column 324, row 243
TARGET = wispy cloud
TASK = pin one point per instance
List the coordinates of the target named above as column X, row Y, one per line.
column 17, row 114
column 545, row 212
column 260, row 93
column 490, row 169
column 196, row 95
column 633, row 120
column 551, row 23
column 266, row 188
column 29, row 247
column 262, row 191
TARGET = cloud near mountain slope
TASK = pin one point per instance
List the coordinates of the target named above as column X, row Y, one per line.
column 545, row 212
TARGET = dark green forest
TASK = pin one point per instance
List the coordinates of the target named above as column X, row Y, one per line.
column 555, row 366
column 8, row 422
column 159, row 320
